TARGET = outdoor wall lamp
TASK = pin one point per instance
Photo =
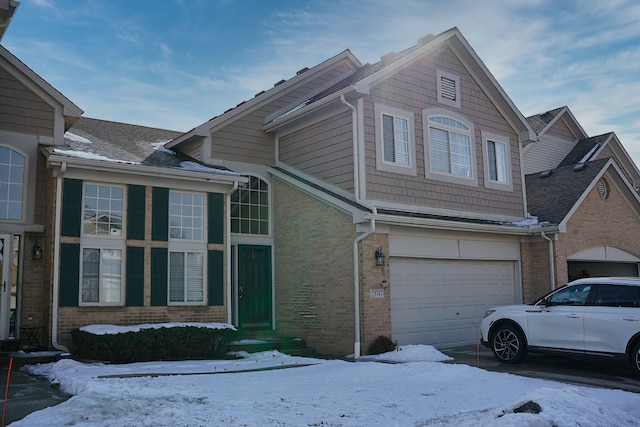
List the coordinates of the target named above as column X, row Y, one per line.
column 380, row 258
column 36, row 251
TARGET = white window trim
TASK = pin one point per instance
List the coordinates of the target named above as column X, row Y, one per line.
column 440, row 74
column 488, row 182
column 447, row 177
column 188, row 245
column 383, row 165
column 183, row 248
column 103, row 243
column 205, row 216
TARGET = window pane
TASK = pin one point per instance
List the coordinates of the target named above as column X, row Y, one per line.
column 11, row 183
column 176, row 277
column 186, row 216
column 250, row 205
column 103, row 206
column 387, row 138
column 91, row 275
column 401, row 141
column 195, row 277
column 111, row 275
column 439, row 149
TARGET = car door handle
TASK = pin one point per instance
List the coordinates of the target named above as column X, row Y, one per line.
column 573, row 316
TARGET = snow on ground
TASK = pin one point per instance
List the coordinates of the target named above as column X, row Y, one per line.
column 271, row 388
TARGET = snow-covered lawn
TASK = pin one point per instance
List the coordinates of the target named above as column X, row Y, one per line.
column 421, row 390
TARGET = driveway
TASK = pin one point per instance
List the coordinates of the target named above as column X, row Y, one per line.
column 554, row 368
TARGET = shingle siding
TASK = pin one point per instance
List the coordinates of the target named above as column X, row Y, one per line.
column 414, row 89
column 21, row 110
column 323, row 150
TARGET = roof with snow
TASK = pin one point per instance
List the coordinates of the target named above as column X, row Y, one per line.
column 551, row 195
column 102, row 140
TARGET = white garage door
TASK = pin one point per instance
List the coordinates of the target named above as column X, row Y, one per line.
column 441, row 302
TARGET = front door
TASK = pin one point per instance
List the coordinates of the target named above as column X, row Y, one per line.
column 5, row 286
column 254, row 287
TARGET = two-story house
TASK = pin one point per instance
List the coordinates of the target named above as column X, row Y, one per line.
column 382, row 198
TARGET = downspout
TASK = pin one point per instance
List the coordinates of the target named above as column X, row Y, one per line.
column 228, row 250
column 56, row 263
column 552, row 268
column 372, row 229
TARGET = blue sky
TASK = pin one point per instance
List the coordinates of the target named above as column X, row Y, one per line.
column 177, row 63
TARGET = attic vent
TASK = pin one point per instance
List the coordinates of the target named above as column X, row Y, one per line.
column 603, row 189
column 546, row 174
column 304, row 70
column 448, row 88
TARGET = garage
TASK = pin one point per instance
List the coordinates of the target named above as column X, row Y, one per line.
column 441, row 302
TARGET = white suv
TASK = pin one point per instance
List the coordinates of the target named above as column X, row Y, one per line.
column 596, row 317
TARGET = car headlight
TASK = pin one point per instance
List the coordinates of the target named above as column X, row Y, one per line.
column 489, row 313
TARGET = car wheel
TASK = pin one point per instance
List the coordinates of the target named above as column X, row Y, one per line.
column 635, row 359
column 508, row 344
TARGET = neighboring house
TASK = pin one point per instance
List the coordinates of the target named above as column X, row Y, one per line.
column 586, row 187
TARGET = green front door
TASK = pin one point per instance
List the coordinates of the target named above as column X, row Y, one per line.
column 254, row 287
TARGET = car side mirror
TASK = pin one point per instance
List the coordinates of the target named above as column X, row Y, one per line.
column 546, row 302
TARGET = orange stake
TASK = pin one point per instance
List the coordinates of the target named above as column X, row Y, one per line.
column 6, row 391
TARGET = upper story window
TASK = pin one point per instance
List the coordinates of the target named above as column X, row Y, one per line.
column 449, row 148
column 102, row 244
column 12, row 168
column 395, row 144
column 448, row 89
column 250, row 208
column 103, row 206
column 186, row 216
column 497, row 171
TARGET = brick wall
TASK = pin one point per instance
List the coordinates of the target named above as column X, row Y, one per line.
column 536, row 278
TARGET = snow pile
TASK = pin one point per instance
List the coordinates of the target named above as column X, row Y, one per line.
column 76, row 138
column 414, row 391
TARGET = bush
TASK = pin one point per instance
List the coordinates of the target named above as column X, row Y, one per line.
column 179, row 343
column 382, row 344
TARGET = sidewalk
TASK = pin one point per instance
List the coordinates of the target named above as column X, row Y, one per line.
column 25, row 394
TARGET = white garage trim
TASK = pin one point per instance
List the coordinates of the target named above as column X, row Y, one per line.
column 603, row 253
column 441, row 302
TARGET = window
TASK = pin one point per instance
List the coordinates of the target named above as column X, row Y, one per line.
column 572, row 295
column 617, row 296
column 250, row 208
column 12, row 168
column 101, row 275
column 448, row 88
column 186, row 278
column 187, row 248
column 103, row 210
column 186, row 211
column 497, row 170
column 395, row 147
column 102, row 244
column 449, row 147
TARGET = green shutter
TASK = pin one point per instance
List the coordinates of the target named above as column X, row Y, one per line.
column 160, row 214
column 216, row 280
column 135, row 276
column 216, row 218
column 136, row 212
column 159, row 271
column 71, row 207
column 69, row 274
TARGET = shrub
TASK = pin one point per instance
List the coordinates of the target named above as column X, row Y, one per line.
column 382, row 344
column 179, row 343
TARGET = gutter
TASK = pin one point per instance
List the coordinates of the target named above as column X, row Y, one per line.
column 357, row 240
column 56, row 263
column 552, row 273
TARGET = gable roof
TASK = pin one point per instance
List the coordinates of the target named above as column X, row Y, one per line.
column 113, row 146
column 33, row 81
column 368, row 75
column 7, row 9
column 542, row 122
column 551, row 196
column 584, row 150
column 266, row 96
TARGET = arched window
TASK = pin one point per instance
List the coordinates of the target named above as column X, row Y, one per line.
column 12, row 165
column 450, row 146
column 250, row 208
